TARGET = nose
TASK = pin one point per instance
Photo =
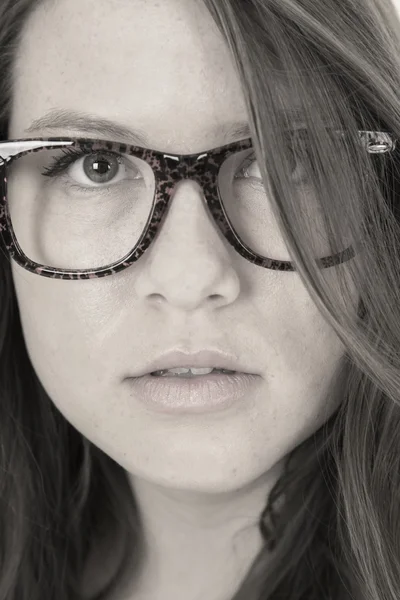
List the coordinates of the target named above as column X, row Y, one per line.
column 189, row 263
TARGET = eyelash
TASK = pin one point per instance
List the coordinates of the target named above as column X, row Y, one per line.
column 71, row 155
column 294, row 137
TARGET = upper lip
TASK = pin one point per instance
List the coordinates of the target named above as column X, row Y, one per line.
column 203, row 358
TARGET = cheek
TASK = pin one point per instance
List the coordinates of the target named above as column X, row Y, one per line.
column 62, row 324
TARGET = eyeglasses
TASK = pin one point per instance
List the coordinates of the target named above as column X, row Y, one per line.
column 55, row 225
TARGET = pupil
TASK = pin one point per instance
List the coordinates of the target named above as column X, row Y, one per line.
column 97, row 168
column 101, row 169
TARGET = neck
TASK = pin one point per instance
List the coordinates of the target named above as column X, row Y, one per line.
column 199, row 544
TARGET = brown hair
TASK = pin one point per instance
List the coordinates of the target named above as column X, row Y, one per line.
column 331, row 525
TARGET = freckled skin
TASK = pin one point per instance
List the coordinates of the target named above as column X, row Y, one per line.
column 163, row 67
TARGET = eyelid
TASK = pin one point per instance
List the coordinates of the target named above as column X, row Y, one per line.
column 121, row 160
column 61, row 165
column 247, row 161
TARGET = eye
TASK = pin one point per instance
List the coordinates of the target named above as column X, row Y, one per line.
column 91, row 169
column 297, row 143
column 249, row 169
column 97, row 168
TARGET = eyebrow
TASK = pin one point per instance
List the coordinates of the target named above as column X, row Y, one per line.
column 73, row 121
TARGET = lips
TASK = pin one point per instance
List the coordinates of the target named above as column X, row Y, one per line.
column 207, row 394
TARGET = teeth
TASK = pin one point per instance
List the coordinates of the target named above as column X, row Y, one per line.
column 200, row 371
column 189, row 371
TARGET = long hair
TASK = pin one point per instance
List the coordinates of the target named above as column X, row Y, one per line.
column 331, row 524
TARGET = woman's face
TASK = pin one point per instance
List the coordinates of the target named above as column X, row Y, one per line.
column 162, row 67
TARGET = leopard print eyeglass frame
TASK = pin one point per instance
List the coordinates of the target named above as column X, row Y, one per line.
column 168, row 170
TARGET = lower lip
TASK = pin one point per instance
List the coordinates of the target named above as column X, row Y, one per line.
column 206, row 393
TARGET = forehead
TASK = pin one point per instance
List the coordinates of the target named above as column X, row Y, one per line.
column 161, row 67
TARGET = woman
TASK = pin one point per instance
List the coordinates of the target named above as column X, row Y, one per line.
column 210, row 185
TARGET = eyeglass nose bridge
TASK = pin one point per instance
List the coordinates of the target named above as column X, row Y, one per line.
column 177, row 168
column 204, row 170
column 201, row 168
column 194, row 166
